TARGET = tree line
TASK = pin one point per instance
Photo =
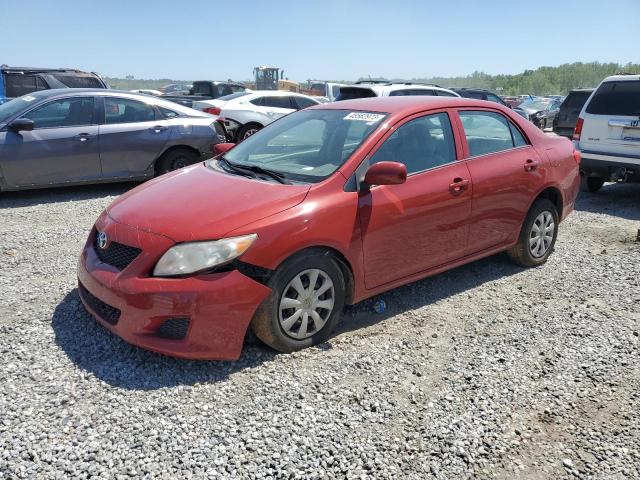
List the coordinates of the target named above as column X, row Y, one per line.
column 541, row 81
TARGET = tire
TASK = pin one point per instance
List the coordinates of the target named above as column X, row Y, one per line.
column 247, row 130
column 175, row 159
column 279, row 323
column 532, row 248
column 590, row 184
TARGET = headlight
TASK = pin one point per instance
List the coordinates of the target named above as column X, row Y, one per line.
column 194, row 257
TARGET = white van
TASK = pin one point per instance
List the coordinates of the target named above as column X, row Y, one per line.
column 608, row 133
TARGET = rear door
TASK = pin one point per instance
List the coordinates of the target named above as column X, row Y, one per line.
column 422, row 223
column 62, row 148
column 506, row 172
column 612, row 119
column 132, row 137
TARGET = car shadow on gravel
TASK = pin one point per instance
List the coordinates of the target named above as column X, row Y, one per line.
column 619, row 200
column 29, row 198
column 427, row 291
column 95, row 350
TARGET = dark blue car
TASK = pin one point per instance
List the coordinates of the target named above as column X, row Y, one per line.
column 18, row 81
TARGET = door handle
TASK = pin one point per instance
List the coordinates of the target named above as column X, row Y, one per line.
column 530, row 165
column 158, row 128
column 458, row 186
column 83, row 137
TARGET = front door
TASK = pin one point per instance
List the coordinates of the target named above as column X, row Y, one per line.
column 62, row 148
column 506, row 172
column 418, row 225
column 132, row 137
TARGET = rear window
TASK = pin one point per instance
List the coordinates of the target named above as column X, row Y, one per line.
column 76, row 81
column 575, row 100
column 18, row 85
column 616, row 98
column 351, row 93
column 476, row 95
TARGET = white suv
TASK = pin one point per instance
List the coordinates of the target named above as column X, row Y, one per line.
column 608, row 133
column 384, row 89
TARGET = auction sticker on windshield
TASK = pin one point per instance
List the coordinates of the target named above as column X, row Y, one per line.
column 364, row 116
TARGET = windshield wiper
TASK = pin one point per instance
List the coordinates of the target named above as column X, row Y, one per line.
column 231, row 167
column 271, row 173
column 253, row 170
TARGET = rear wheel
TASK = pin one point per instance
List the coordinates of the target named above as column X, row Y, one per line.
column 537, row 236
column 591, row 184
column 308, row 293
column 248, row 130
column 174, row 159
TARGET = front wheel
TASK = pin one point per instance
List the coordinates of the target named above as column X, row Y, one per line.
column 537, row 236
column 308, row 294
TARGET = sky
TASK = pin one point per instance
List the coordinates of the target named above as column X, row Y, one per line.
column 329, row 39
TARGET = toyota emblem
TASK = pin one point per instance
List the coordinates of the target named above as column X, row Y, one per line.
column 102, row 240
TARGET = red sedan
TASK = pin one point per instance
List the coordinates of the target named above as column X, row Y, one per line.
column 327, row 206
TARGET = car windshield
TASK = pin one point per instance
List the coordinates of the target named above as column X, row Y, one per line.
column 12, row 107
column 307, row 146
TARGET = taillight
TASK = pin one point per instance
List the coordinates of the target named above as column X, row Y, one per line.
column 578, row 129
column 577, row 156
column 212, row 110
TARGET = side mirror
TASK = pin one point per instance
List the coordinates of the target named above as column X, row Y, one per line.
column 22, row 124
column 386, row 173
column 220, row 148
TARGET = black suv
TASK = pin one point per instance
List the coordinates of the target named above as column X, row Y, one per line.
column 479, row 94
column 18, row 81
column 567, row 117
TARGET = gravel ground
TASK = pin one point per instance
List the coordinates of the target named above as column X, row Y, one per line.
column 487, row 371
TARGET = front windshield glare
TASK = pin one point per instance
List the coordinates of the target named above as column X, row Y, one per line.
column 12, row 107
column 308, row 145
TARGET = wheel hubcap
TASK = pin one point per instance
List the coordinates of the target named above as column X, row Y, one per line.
column 306, row 304
column 249, row 132
column 541, row 234
column 179, row 162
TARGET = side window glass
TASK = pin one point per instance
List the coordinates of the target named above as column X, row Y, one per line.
column 68, row 112
column 518, row 138
column 445, row 94
column 168, row 113
column 486, row 132
column 122, row 110
column 258, row 101
column 278, row 102
column 304, row 102
column 423, row 143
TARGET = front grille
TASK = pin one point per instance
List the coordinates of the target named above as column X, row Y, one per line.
column 174, row 328
column 116, row 254
column 105, row 311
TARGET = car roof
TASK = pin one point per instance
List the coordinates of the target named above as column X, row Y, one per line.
column 7, row 68
column 626, row 77
column 272, row 93
column 407, row 104
column 393, row 87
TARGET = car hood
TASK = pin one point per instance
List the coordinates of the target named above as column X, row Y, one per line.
column 201, row 203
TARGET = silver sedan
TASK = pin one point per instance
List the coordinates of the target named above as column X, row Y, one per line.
column 78, row 136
